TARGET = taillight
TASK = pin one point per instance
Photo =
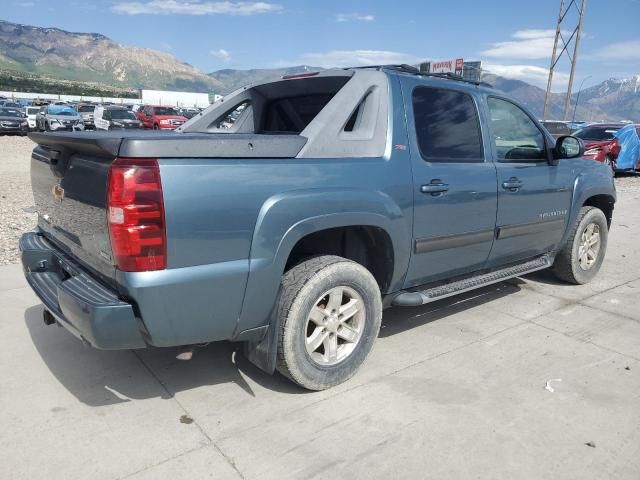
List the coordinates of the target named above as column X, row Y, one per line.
column 615, row 148
column 135, row 214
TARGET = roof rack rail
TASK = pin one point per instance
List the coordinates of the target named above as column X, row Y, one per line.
column 404, row 68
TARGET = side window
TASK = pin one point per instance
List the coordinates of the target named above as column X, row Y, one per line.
column 514, row 134
column 447, row 126
column 106, row 115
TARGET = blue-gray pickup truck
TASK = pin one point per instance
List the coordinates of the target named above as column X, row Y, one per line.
column 288, row 215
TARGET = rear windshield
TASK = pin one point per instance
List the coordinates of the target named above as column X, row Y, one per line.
column 33, row 111
column 87, row 108
column 61, row 110
column 166, row 111
column 292, row 115
column 122, row 115
column 556, row 127
column 596, row 133
column 10, row 112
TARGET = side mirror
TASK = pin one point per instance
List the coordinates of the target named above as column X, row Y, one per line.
column 569, row 147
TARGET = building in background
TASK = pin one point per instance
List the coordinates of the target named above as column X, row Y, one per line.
column 174, row 99
column 471, row 71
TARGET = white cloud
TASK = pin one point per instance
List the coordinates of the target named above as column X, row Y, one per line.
column 195, row 7
column 354, row 17
column 526, row 44
column 25, row 4
column 528, row 73
column 355, row 58
column 222, row 54
column 629, row 50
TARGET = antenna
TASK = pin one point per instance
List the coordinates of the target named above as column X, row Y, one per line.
column 573, row 58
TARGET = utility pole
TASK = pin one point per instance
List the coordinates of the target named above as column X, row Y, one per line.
column 564, row 20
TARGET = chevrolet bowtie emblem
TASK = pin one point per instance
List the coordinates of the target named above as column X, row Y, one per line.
column 58, row 192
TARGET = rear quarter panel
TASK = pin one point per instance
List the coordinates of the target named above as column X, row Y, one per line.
column 231, row 225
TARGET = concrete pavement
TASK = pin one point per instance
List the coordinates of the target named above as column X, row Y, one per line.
column 452, row 390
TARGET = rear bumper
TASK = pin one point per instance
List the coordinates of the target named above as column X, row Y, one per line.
column 89, row 310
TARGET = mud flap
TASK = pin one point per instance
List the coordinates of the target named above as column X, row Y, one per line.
column 263, row 353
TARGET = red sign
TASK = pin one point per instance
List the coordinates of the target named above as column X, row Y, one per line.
column 448, row 66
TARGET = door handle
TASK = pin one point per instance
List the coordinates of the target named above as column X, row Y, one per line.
column 435, row 188
column 513, row 184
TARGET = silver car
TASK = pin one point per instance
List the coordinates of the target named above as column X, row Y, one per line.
column 53, row 118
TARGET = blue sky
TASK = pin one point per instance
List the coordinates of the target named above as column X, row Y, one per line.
column 512, row 38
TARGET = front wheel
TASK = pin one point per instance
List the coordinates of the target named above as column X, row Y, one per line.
column 581, row 257
column 156, row 127
column 330, row 312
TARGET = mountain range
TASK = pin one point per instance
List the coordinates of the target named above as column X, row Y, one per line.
column 96, row 59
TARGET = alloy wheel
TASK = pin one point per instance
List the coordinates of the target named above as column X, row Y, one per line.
column 334, row 326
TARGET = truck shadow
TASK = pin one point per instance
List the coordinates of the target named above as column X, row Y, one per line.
column 398, row 320
column 100, row 378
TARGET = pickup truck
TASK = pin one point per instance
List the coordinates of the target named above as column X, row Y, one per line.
column 288, row 215
column 157, row 117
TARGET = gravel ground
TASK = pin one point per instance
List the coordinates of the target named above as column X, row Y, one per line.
column 16, row 201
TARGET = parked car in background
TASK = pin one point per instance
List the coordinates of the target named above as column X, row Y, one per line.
column 31, row 114
column 10, row 104
column 189, row 112
column 86, row 111
column 577, row 125
column 13, row 120
column 365, row 188
column 600, row 144
column 58, row 117
column 557, row 128
column 160, row 117
column 115, row 118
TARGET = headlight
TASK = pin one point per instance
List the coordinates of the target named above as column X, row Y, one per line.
column 117, row 124
column 53, row 120
column 24, row 123
column 164, row 122
column 593, row 151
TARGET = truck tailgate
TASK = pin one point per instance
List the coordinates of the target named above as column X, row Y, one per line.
column 69, row 180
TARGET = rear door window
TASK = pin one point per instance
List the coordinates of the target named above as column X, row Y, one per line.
column 447, row 126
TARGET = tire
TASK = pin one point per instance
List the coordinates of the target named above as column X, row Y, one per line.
column 307, row 286
column 572, row 267
column 156, row 127
column 608, row 160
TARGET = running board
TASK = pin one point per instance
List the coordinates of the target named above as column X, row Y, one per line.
column 412, row 299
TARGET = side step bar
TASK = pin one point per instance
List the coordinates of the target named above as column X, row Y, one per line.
column 412, row 299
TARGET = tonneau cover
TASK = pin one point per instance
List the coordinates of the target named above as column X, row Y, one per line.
column 155, row 144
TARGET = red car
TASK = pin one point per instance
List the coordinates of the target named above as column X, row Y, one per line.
column 159, row 117
column 599, row 142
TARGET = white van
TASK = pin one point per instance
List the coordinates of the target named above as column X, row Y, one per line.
column 31, row 113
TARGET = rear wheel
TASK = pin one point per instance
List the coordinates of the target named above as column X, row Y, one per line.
column 608, row 160
column 581, row 258
column 156, row 126
column 330, row 311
